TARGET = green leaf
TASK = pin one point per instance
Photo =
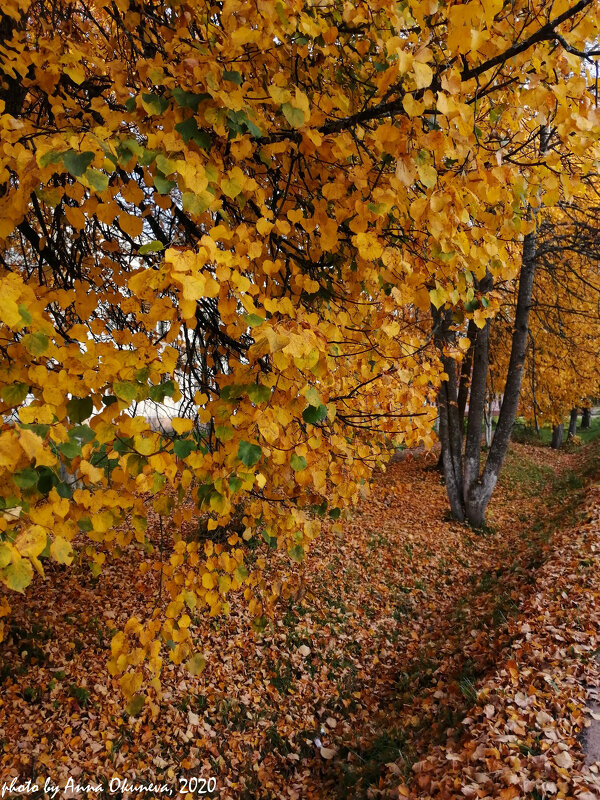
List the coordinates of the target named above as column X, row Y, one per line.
column 52, row 157
column 125, row 390
column 14, row 393
column 77, row 163
column 18, row 575
column 85, row 524
column 253, row 129
column 259, row 624
column 35, row 343
column 296, row 553
column 25, row 314
column 130, row 104
column 234, row 76
column 314, row 414
column 162, row 390
column 183, row 447
column 188, row 99
column 189, row 130
column 82, row 432
column 79, row 409
column 70, row 449
column 47, row 479
column 295, row 116
column 249, row 454
column 204, row 492
column 154, row 104
column 297, row 463
column 241, row 572
column 64, row 490
column 97, row 180
column 224, row 432
column 163, row 186
column 233, row 391
column 334, row 513
column 135, row 705
column 258, row 393
column 158, row 482
column 26, row 478
column 235, row 483
column 196, row 663
column 253, row 320
column 270, row 540
column 151, row 247
column 194, row 204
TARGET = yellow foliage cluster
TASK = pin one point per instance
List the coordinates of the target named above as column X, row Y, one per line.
column 252, row 208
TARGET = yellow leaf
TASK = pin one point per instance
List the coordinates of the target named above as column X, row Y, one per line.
column 34, row 447
column 427, row 175
column 208, row 580
column 196, row 664
column 181, row 425
column 423, row 75
column 31, row 542
column 61, row 550
column 438, row 296
column 76, row 73
column 130, row 224
column 93, row 473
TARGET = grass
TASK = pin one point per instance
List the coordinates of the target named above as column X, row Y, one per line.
column 526, row 434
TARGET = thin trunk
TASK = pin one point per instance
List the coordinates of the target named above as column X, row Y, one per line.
column 557, row 436
column 465, row 371
column 572, row 424
column 450, row 426
column 488, row 420
column 586, row 416
column 480, row 494
column 476, row 410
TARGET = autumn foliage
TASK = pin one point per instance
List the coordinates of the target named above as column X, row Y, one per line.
column 261, row 211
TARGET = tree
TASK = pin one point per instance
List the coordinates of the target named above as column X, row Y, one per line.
column 250, row 209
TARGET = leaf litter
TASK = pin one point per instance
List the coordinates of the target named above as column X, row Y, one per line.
column 417, row 658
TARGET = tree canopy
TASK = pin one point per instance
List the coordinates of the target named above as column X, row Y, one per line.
column 283, row 216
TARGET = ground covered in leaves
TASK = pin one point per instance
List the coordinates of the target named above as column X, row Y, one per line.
column 423, row 660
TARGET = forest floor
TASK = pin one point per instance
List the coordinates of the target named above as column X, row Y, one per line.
column 424, row 660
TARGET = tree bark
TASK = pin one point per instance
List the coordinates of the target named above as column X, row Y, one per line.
column 450, row 424
column 586, row 417
column 572, row 424
column 476, row 410
column 465, row 371
column 488, row 420
column 480, row 492
column 557, row 436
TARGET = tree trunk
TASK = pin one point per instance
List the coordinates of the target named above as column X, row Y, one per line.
column 572, row 424
column 487, row 426
column 470, row 493
column 557, row 436
column 450, row 423
column 480, row 492
column 586, row 416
